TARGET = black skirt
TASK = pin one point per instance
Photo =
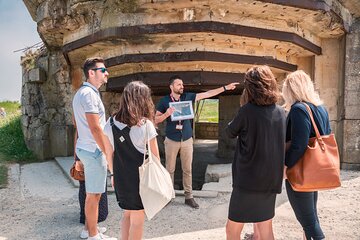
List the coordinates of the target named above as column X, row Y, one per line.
column 251, row 207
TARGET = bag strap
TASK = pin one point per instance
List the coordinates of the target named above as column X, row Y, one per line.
column 111, row 121
column 147, row 142
column 317, row 133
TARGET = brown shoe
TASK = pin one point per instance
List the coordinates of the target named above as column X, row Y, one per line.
column 191, row 202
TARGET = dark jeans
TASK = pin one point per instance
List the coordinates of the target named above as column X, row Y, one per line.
column 304, row 206
column 103, row 204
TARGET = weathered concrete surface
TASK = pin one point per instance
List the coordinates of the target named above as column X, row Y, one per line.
column 353, row 6
column 206, row 130
column 45, row 180
column 46, row 108
column 216, row 171
column 313, row 40
column 224, row 185
column 229, row 106
column 351, row 111
column 65, row 163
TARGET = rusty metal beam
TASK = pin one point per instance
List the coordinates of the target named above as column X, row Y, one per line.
column 127, row 32
column 198, row 80
column 302, row 4
column 199, row 56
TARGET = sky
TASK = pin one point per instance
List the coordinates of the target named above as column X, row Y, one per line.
column 17, row 31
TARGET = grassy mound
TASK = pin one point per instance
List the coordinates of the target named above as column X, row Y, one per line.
column 12, row 145
column 209, row 111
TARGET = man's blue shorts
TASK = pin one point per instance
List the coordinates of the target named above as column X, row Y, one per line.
column 95, row 168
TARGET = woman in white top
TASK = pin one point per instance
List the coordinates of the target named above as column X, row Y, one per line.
column 128, row 131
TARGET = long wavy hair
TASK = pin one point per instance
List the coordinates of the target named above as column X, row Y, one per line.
column 260, row 86
column 299, row 87
column 244, row 98
column 135, row 104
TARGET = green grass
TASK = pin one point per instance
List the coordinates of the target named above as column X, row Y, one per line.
column 209, row 112
column 10, row 107
column 12, row 145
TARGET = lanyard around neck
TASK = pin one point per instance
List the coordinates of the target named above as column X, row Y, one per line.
column 173, row 100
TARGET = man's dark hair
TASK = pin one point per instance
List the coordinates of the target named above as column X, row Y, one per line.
column 91, row 63
column 173, row 78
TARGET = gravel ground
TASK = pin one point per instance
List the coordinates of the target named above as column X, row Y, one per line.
column 51, row 212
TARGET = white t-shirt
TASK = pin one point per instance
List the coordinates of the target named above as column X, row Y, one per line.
column 87, row 100
column 137, row 133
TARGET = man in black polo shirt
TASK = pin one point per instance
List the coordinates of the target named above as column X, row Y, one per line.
column 179, row 133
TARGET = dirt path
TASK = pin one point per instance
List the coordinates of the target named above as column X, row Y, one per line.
column 43, row 215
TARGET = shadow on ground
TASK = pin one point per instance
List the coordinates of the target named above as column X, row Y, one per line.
column 204, row 154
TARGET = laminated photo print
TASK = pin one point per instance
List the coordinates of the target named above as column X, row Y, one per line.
column 183, row 110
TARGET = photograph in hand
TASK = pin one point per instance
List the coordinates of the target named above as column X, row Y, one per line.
column 183, row 110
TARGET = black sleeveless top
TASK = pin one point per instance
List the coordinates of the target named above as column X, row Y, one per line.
column 126, row 163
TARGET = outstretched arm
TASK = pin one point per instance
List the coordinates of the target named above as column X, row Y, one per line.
column 215, row 91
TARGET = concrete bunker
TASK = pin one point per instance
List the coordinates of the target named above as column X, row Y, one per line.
column 209, row 43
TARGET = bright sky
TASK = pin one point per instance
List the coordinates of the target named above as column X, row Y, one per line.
column 17, row 30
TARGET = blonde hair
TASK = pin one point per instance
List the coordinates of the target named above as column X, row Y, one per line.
column 299, row 87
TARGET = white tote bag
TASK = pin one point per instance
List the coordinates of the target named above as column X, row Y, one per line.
column 156, row 188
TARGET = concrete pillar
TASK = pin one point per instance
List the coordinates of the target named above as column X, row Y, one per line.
column 228, row 107
column 329, row 75
column 62, row 140
column 329, row 82
column 351, row 114
column 47, row 107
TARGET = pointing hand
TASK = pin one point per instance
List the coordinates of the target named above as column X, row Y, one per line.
column 231, row 86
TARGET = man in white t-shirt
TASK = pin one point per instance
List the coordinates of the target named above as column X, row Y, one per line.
column 92, row 146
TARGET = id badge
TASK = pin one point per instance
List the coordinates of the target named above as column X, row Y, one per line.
column 179, row 126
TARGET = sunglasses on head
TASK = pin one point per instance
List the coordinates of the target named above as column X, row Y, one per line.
column 102, row 69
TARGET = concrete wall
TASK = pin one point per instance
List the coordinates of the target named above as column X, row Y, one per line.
column 205, row 130
column 329, row 78
column 228, row 107
column 46, row 107
column 351, row 109
column 65, row 25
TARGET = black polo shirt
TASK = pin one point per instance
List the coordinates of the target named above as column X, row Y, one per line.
column 171, row 131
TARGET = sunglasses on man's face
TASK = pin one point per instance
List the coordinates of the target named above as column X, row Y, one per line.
column 102, row 69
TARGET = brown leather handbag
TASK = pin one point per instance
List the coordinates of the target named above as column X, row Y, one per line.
column 319, row 167
column 75, row 174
